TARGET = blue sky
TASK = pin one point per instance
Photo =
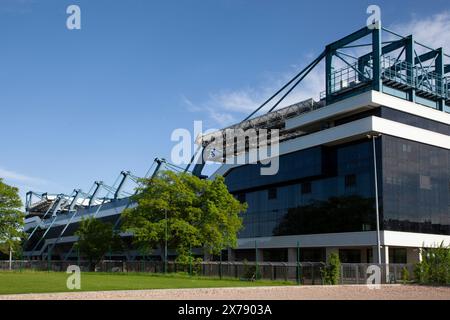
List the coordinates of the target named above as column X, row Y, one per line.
column 82, row 105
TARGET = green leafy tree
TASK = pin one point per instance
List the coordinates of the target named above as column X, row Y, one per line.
column 11, row 218
column 200, row 214
column 96, row 238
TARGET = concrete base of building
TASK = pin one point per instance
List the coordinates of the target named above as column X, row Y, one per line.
column 352, row 247
column 366, row 254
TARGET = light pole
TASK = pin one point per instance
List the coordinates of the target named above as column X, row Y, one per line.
column 10, row 257
column 377, row 209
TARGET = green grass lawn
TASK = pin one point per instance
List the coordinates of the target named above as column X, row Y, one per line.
column 44, row 282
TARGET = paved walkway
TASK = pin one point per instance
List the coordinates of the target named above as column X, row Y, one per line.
column 386, row 292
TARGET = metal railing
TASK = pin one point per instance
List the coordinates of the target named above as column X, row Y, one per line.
column 357, row 273
column 348, row 78
column 303, row 273
column 397, row 72
column 418, row 77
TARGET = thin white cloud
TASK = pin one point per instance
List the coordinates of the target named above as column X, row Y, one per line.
column 236, row 101
column 221, row 118
column 226, row 107
column 27, row 183
column 189, row 104
column 22, row 178
column 433, row 31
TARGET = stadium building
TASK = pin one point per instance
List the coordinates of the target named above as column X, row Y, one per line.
column 363, row 172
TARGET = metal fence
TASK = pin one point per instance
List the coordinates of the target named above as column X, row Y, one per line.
column 357, row 273
column 302, row 273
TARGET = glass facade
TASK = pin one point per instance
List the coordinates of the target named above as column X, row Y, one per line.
column 331, row 189
column 416, row 187
column 318, row 190
column 412, row 120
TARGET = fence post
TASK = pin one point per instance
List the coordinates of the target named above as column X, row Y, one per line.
column 78, row 256
column 220, row 266
column 190, row 260
column 256, row 261
column 49, row 257
column 395, row 273
column 298, row 263
column 286, row 271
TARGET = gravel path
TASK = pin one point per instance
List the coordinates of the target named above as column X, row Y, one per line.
column 386, row 292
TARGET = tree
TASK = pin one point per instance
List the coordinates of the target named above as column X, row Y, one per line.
column 96, row 238
column 11, row 218
column 200, row 214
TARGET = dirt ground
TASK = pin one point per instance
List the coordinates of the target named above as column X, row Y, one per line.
column 351, row 292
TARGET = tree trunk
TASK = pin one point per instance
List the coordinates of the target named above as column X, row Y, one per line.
column 91, row 265
column 162, row 254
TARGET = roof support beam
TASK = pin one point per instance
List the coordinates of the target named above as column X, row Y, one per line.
column 125, row 175
column 376, row 51
column 440, row 71
column 96, row 191
column 350, row 38
column 409, row 58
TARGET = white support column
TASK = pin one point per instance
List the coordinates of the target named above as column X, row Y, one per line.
column 385, row 260
column 385, row 254
column 10, row 258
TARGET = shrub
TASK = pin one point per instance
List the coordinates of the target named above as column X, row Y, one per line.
column 331, row 273
column 405, row 275
column 192, row 265
column 435, row 266
column 250, row 272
